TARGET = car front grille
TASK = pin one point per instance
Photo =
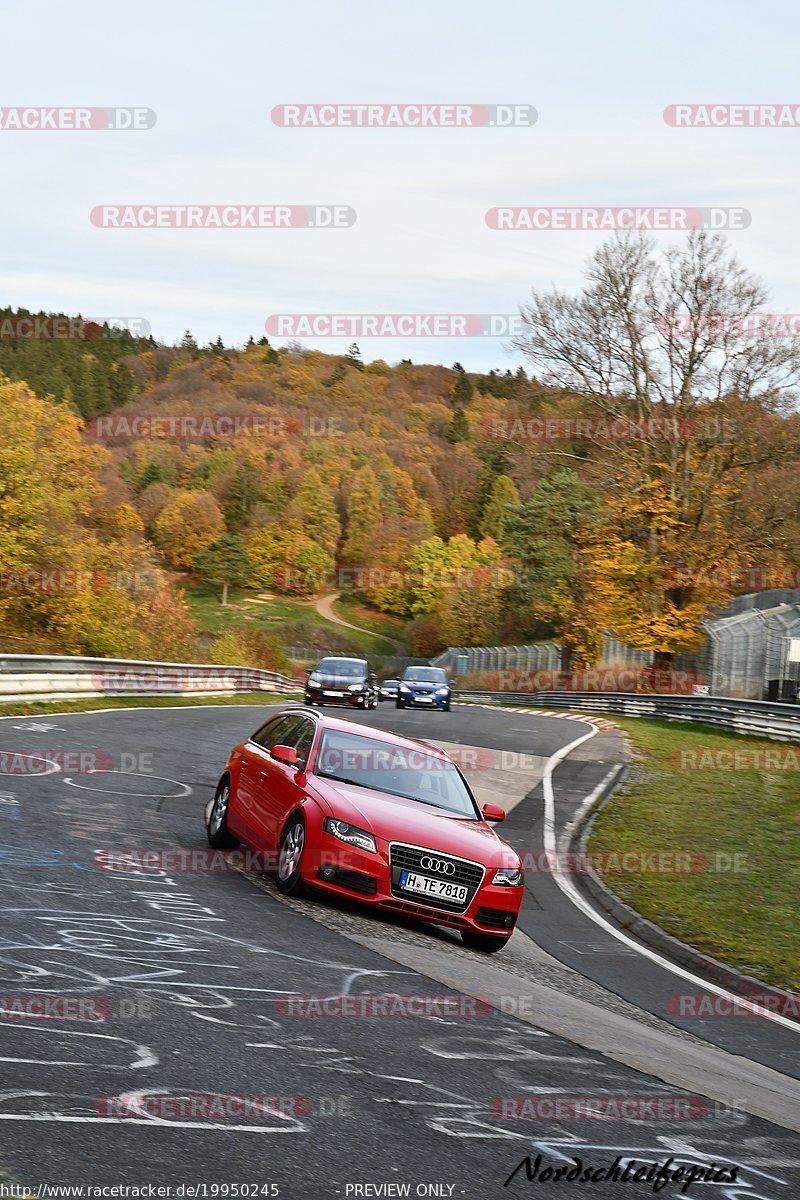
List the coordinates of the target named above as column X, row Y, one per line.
column 409, row 858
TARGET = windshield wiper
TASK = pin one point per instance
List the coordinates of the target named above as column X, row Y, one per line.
column 343, row 779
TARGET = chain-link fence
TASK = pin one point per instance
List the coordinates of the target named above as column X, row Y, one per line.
column 747, row 655
column 539, row 656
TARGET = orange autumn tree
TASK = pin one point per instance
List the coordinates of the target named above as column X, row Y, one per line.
column 642, row 344
column 77, row 576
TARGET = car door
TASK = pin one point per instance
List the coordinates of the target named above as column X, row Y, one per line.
column 278, row 790
column 254, row 755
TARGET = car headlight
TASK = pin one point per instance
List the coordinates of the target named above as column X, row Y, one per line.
column 350, row 834
column 442, row 691
column 356, row 687
column 403, row 688
column 508, row 878
column 313, row 683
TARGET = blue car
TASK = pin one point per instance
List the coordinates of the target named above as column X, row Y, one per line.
column 424, row 687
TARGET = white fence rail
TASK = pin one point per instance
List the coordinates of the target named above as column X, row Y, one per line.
column 33, row 677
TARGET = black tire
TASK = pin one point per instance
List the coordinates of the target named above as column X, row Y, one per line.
column 487, row 943
column 287, row 874
column 217, row 824
column 309, row 702
column 446, row 707
column 399, row 704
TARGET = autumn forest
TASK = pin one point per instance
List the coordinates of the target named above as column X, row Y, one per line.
column 629, row 472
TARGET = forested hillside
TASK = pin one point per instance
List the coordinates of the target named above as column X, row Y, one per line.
column 477, row 508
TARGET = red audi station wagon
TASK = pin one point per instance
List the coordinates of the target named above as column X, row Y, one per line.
column 372, row 816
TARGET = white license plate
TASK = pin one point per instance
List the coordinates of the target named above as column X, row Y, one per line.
column 339, row 694
column 424, row 699
column 433, row 887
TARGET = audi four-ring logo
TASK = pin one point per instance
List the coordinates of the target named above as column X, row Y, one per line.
column 437, row 864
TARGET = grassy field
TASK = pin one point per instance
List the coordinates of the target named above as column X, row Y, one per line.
column 748, row 917
column 350, row 609
column 295, row 621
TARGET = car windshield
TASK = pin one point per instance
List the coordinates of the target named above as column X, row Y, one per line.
column 349, row 667
column 408, row 771
column 425, row 675
column 390, row 682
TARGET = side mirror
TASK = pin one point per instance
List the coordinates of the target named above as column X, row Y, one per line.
column 285, row 754
column 309, row 670
column 493, row 812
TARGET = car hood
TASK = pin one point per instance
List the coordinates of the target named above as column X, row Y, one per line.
column 335, row 681
column 425, row 684
column 395, row 819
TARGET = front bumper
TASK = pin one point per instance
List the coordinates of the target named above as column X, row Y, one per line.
column 423, row 700
column 374, row 879
column 349, row 699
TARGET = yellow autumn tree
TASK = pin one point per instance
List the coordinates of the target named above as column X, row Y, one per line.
column 187, row 524
column 76, row 576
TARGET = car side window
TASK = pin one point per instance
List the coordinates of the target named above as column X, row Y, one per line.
column 302, row 738
column 271, row 734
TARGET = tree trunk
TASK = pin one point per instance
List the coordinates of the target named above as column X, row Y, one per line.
column 225, row 593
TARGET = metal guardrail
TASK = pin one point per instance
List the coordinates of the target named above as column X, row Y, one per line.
column 36, row 677
column 780, row 722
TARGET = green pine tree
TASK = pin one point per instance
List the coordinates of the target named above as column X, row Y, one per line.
column 225, row 561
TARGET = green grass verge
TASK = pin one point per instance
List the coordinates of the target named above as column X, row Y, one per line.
column 51, row 707
column 298, row 623
column 746, row 918
column 349, row 608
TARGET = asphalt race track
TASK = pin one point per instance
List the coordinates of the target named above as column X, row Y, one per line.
column 189, row 973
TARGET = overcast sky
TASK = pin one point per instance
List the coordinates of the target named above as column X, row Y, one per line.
column 599, row 76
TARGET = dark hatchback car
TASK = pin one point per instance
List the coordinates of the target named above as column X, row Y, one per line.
column 424, row 687
column 347, row 681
